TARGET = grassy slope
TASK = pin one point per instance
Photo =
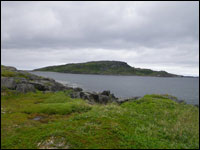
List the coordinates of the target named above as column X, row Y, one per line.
column 104, row 67
column 6, row 72
column 151, row 122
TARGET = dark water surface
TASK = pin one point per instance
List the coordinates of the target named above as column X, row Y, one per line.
column 186, row 89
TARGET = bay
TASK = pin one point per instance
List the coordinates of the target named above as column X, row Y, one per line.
column 186, row 89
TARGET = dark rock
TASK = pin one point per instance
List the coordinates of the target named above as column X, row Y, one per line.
column 23, row 88
column 94, row 96
column 86, row 96
column 78, row 89
column 81, row 94
column 107, row 93
column 73, row 95
column 180, row 101
column 120, row 101
column 113, row 96
column 77, row 95
column 39, row 86
column 38, row 82
column 56, row 87
column 103, row 99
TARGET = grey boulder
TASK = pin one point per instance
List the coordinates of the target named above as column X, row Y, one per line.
column 8, row 82
column 23, row 88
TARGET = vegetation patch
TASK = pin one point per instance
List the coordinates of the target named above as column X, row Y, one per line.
column 54, row 120
column 105, row 67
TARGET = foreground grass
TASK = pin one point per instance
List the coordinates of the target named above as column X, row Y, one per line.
column 151, row 122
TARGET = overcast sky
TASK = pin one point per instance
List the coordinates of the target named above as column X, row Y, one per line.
column 154, row 35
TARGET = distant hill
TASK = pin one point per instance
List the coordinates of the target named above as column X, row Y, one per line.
column 105, row 68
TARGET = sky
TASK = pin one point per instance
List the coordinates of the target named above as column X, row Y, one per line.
column 153, row 35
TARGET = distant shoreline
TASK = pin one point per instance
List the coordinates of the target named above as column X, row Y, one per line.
column 106, row 67
column 113, row 74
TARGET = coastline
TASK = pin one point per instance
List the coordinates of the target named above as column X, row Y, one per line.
column 58, row 116
column 194, row 101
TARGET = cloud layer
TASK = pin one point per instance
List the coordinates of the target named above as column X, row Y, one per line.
column 156, row 35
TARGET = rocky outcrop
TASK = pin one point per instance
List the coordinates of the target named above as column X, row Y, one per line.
column 22, row 81
column 122, row 100
column 94, row 97
column 23, row 88
column 101, row 98
column 25, row 82
column 26, row 85
column 8, row 82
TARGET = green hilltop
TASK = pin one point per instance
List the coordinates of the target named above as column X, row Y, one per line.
column 105, row 68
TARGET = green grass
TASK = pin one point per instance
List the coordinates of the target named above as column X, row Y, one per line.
column 151, row 122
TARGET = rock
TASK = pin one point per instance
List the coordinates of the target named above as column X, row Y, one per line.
column 78, row 89
column 86, row 96
column 81, row 94
column 24, row 77
column 37, row 118
column 39, row 86
column 107, row 93
column 180, row 101
column 113, row 96
column 94, row 96
column 47, row 85
column 103, row 99
column 53, row 142
column 122, row 100
column 23, row 88
column 8, row 82
column 75, row 95
column 56, row 87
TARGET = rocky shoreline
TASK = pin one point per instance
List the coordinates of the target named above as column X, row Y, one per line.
column 23, row 85
column 26, row 82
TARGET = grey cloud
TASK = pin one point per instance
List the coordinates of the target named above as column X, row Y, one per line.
column 150, row 32
column 98, row 24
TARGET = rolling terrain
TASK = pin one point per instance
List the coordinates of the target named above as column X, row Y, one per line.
column 105, row 68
